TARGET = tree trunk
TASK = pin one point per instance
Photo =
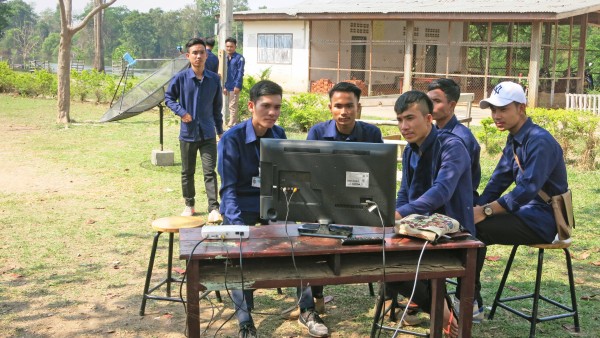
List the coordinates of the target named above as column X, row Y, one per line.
column 64, row 77
column 64, row 54
column 99, row 41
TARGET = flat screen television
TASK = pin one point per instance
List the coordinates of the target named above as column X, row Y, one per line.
column 334, row 181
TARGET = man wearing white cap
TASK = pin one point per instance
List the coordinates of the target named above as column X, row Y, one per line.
column 533, row 161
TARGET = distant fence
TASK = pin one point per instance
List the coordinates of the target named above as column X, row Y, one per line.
column 587, row 102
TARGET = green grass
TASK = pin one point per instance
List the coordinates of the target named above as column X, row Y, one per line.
column 75, row 236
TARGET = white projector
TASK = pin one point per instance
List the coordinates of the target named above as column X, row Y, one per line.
column 225, row 231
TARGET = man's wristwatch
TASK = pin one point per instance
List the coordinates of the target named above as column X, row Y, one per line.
column 487, row 210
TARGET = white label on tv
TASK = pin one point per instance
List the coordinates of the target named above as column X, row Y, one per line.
column 357, row 180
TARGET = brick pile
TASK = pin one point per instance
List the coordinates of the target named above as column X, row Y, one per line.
column 321, row 86
column 360, row 84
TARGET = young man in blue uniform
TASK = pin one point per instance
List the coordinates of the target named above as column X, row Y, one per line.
column 238, row 165
column 436, row 178
column 234, row 79
column 533, row 161
column 195, row 96
column 212, row 61
column 344, row 105
column 445, row 93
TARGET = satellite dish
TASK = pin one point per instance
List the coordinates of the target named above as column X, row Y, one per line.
column 147, row 94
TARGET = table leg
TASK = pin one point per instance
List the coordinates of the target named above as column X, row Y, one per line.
column 193, row 299
column 467, row 288
column 438, row 297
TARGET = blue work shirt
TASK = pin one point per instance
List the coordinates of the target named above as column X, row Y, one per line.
column 362, row 132
column 436, row 179
column 235, row 72
column 541, row 158
column 203, row 100
column 238, row 162
column 212, row 62
column 473, row 148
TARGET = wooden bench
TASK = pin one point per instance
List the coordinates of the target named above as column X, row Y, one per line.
column 465, row 99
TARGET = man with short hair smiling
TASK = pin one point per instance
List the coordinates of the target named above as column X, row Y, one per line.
column 436, row 178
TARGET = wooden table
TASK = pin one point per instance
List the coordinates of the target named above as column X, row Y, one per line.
column 267, row 263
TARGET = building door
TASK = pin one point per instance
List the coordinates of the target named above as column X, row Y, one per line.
column 431, row 59
column 358, row 57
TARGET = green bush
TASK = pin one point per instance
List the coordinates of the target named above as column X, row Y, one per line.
column 493, row 139
column 79, row 88
column 303, row 111
column 45, row 83
column 25, row 84
column 7, row 78
column 575, row 131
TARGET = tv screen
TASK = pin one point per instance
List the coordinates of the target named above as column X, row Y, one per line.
column 333, row 181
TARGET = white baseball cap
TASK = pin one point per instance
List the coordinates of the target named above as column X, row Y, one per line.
column 503, row 94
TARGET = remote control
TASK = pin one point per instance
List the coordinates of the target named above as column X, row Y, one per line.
column 362, row 240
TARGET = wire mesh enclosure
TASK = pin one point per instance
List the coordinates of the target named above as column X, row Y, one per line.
column 379, row 56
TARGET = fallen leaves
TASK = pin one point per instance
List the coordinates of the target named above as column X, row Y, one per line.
column 179, row 270
column 492, row 258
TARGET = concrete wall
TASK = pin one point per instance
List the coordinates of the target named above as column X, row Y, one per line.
column 321, row 46
column 292, row 77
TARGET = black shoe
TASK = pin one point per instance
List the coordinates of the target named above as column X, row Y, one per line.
column 247, row 330
column 315, row 325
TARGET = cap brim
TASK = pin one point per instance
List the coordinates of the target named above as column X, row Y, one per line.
column 494, row 101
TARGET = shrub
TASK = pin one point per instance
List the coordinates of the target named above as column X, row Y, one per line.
column 7, row 78
column 491, row 137
column 25, row 84
column 45, row 83
column 303, row 111
column 79, row 88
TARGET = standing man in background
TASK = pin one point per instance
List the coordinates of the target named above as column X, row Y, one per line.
column 194, row 95
column 212, row 61
column 445, row 93
column 234, row 79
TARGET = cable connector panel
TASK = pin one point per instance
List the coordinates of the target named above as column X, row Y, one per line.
column 225, row 231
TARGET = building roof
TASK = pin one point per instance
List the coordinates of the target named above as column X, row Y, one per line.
column 482, row 10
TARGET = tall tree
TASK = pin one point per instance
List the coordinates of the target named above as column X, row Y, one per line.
column 4, row 16
column 98, row 38
column 67, row 30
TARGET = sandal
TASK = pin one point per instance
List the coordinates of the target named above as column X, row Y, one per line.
column 448, row 330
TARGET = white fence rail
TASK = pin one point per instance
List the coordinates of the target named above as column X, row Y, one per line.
column 585, row 102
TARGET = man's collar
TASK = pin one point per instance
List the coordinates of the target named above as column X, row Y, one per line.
column 332, row 132
column 519, row 137
column 451, row 123
column 427, row 143
column 251, row 134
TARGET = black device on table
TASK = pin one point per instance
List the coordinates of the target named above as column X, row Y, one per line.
column 325, row 230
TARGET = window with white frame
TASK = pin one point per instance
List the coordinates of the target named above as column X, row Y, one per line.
column 275, row 48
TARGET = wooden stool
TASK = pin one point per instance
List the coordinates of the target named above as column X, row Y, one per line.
column 533, row 318
column 172, row 226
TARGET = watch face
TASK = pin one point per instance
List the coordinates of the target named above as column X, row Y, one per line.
column 488, row 211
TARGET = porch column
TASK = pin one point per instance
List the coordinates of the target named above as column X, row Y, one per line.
column 534, row 63
column 583, row 20
column 408, row 55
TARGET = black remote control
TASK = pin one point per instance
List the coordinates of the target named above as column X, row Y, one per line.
column 362, row 240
